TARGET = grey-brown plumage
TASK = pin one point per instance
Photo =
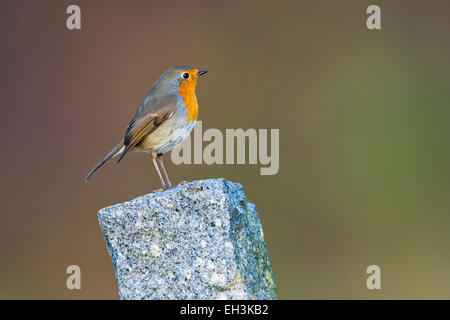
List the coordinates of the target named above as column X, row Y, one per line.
column 108, row 156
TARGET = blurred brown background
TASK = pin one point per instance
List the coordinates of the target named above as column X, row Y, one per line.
column 364, row 135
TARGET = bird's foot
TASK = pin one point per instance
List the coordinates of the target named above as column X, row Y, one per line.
column 164, row 188
column 181, row 183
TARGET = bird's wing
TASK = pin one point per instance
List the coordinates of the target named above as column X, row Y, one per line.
column 143, row 125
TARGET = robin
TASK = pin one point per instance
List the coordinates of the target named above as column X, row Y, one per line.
column 164, row 119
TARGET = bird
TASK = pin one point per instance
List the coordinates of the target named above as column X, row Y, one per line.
column 163, row 120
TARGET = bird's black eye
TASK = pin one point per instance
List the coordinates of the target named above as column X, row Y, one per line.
column 186, row 75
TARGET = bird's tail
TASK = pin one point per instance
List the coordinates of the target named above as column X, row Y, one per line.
column 114, row 151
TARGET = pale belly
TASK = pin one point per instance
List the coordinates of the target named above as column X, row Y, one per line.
column 166, row 137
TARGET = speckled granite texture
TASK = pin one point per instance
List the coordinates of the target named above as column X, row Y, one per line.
column 200, row 240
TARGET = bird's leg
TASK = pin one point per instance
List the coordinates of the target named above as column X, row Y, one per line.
column 153, row 156
column 160, row 158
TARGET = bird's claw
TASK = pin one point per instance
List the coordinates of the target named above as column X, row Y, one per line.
column 169, row 187
column 164, row 188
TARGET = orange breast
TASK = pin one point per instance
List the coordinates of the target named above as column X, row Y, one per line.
column 187, row 92
column 191, row 105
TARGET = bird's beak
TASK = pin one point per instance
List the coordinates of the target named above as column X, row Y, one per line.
column 200, row 72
